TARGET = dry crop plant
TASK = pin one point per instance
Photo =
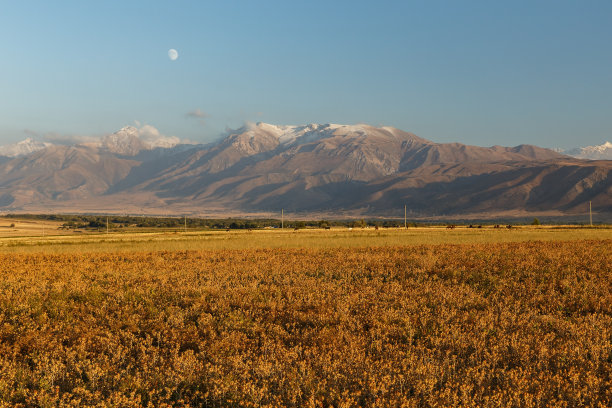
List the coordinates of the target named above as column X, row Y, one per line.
column 521, row 325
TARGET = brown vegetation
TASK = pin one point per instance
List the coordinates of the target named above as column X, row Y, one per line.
column 515, row 324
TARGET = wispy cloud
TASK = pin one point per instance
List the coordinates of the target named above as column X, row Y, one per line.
column 199, row 115
column 31, row 133
column 69, row 139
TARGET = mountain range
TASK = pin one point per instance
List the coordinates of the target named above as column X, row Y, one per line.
column 317, row 168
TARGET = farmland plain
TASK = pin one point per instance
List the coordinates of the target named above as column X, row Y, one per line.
column 416, row 317
column 48, row 237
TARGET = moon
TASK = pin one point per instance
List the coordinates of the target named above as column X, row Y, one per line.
column 172, row 54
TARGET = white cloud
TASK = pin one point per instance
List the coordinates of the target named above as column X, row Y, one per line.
column 151, row 136
column 148, row 134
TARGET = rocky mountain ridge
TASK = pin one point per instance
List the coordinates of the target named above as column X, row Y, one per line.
column 26, row 146
column 317, row 167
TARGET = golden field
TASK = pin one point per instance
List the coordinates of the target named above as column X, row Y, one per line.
column 32, row 237
column 274, row 318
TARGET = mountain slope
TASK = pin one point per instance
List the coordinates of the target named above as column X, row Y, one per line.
column 263, row 167
column 60, row 173
column 544, row 186
column 263, row 156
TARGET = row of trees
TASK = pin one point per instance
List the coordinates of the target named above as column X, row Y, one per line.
column 114, row 221
column 98, row 222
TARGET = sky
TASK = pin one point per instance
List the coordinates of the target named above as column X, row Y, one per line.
column 476, row 72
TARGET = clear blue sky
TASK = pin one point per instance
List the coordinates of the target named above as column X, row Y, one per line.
column 477, row 72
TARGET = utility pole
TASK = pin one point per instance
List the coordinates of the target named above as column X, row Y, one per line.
column 185, row 223
column 282, row 218
column 107, row 225
column 405, row 224
column 590, row 214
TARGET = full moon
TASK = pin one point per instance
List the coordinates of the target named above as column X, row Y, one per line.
column 172, row 54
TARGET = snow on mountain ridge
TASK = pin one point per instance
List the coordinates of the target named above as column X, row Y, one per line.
column 292, row 134
column 125, row 141
column 130, row 140
column 603, row 147
column 600, row 152
column 22, row 148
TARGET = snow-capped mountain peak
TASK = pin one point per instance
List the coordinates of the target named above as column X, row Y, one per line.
column 124, row 141
column 605, row 146
column 130, row 140
column 600, row 152
column 289, row 134
column 22, row 148
column 127, row 141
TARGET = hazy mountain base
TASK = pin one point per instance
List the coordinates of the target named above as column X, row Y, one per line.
column 117, row 205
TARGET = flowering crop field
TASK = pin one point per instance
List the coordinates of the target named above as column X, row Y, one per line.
column 523, row 324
